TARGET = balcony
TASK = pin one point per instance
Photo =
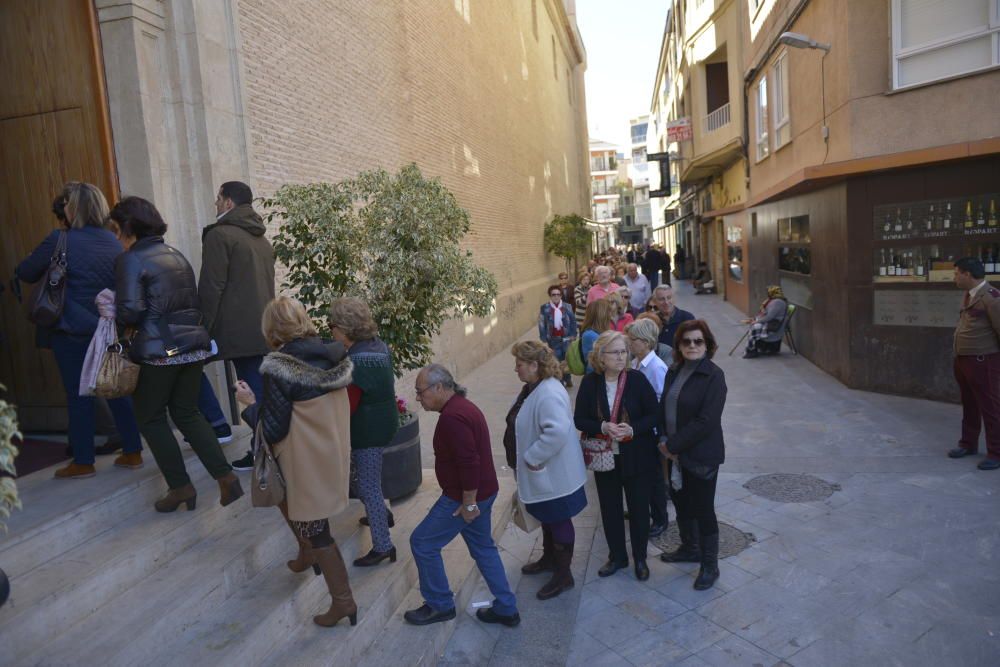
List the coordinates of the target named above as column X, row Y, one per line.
column 717, row 119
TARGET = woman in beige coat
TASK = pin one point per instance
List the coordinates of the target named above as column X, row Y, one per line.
column 305, row 416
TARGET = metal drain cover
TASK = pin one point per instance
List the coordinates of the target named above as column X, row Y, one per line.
column 731, row 540
column 787, row 488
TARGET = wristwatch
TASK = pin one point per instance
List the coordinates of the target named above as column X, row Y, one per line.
column 471, row 508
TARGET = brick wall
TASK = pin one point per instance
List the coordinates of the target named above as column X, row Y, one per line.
column 464, row 89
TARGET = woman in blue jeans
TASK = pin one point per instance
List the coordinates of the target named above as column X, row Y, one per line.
column 90, row 267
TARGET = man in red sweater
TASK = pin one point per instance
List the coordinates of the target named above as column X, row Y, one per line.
column 463, row 463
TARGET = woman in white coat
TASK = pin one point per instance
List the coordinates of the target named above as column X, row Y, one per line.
column 543, row 447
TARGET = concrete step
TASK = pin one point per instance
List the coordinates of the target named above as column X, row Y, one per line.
column 402, row 643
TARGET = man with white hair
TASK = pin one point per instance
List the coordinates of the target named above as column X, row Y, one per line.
column 638, row 286
column 603, row 284
column 463, row 463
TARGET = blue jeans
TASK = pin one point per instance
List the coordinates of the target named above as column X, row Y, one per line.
column 70, row 351
column 435, row 532
column 248, row 370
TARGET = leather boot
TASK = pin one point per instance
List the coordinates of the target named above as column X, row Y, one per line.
column 709, row 571
column 562, row 578
column 229, row 488
column 342, row 605
column 186, row 495
column 690, row 549
column 306, row 558
column 546, row 562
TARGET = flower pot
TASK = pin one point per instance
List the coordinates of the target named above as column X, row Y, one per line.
column 402, row 470
column 4, row 587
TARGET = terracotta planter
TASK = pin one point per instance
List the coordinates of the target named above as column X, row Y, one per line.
column 401, row 467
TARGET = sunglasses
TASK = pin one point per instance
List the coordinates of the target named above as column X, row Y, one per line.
column 693, row 342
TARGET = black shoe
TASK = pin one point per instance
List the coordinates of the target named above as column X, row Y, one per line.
column 392, row 521
column 610, row 568
column 489, row 616
column 707, row 576
column 959, row 452
column 641, row 570
column 375, row 557
column 424, row 615
column 988, row 464
column 656, row 529
column 110, row 447
column 245, row 463
column 709, row 572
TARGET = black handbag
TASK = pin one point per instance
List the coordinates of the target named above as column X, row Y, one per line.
column 49, row 295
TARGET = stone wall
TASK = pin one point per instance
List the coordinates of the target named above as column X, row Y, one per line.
column 466, row 90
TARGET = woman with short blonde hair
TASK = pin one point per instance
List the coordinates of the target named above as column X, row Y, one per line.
column 630, row 433
column 620, row 317
column 543, row 448
column 85, row 205
column 284, row 320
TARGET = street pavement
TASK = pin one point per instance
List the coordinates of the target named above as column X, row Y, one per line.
column 895, row 567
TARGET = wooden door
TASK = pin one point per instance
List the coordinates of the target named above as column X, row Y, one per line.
column 53, row 128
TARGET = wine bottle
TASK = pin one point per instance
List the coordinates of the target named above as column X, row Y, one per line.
column 887, row 227
column 892, row 263
column 920, row 263
column 929, row 222
column 909, row 221
column 993, row 214
column 981, row 218
column 898, row 227
column 883, row 270
column 946, row 223
column 968, row 215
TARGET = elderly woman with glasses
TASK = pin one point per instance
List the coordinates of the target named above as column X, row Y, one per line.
column 691, row 436
column 630, row 431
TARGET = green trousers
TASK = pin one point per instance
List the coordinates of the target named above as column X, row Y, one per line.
column 176, row 388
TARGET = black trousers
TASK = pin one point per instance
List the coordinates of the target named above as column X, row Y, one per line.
column 658, row 500
column 696, row 501
column 610, row 486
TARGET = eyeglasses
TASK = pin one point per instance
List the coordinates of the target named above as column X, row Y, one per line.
column 615, row 353
column 693, row 342
column 422, row 390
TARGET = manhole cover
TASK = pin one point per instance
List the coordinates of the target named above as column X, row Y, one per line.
column 731, row 540
column 786, row 488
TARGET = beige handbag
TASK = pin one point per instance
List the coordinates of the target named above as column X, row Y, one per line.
column 520, row 515
column 267, row 486
column 118, row 375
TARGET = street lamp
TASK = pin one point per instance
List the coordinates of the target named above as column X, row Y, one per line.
column 799, row 41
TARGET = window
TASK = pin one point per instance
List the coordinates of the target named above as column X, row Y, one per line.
column 639, row 133
column 763, row 149
column 934, row 40
column 779, row 82
column 794, row 254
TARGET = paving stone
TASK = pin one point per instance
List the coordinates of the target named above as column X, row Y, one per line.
column 680, row 590
column 736, row 652
column 582, row 648
column 651, row 607
column 611, row 627
column 653, row 648
column 591, row 603
column 693, row 631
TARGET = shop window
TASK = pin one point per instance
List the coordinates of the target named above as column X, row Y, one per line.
column 734, row 248
column 794, row 253
column 934, row 40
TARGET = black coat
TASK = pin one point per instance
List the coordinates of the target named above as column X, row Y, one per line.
column 156, row 293
column 699, row 415
column 639, row 456
column 651, row 262
column 301, row 370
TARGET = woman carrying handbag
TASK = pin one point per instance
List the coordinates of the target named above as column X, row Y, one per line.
column 619, row 405
column 305, row 417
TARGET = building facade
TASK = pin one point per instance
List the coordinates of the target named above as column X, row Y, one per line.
column 639, row 177
column 170, row 98
column 606, row 196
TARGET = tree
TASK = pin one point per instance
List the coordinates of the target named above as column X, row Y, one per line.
column 567, row 236
column 8, row 452
column 389, row 239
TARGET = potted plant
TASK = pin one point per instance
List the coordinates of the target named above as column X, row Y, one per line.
column 8, row 488
column 393, row 241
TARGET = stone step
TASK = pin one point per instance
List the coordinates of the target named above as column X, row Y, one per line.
column 269, row 614
column 402, row 643
column 59, row 515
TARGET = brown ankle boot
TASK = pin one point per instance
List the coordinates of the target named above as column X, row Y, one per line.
column 76, row 471
column 342, row 601
column 306, row 557
column 186, row 495
column 562, row 577
column 546, row 562
column 229, row 488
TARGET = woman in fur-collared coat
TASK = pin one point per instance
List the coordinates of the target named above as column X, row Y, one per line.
column 305, row 416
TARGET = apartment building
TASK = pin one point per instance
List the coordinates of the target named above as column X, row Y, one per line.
column 605, row 165
column 638, row 174
column 167, row 99
column 874, row 151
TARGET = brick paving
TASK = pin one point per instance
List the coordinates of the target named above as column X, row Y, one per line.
column 894, row 567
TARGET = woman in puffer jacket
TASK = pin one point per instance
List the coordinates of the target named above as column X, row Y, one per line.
column 304, row 415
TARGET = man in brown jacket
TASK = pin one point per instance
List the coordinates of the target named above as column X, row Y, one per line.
column 977, row 362
column 236, row 284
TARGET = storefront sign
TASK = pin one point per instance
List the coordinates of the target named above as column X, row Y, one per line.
column 679, row 130
column 917, row 308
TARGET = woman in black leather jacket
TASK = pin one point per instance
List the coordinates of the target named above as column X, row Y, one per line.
column 157, row 297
